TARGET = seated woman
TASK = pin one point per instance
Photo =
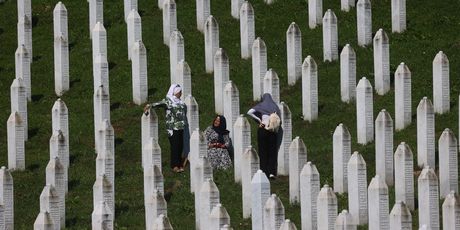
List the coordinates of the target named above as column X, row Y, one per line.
column 219, row 144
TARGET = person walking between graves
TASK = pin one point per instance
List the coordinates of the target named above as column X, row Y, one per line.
column 267, row 114
column 176, row 123
column 219, row 144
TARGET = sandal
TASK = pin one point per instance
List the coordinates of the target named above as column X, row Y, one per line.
column 176, row 169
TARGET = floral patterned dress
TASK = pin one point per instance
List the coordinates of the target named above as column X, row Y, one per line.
column 219, row 158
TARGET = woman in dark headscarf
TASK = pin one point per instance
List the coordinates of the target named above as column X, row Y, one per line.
column 268, row 134
column 219, row 144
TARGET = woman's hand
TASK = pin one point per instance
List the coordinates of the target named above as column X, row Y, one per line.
column 146, row 109
column 261, row 125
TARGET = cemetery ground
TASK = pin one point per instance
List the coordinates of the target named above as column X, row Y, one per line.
column 432, row 26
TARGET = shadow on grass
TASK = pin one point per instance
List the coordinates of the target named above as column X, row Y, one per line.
column 37, row 97
column 33, row 167
column 34, row 21
column 118, row 141
column 72, row 158
column 115, row 106
column 71, row 222
column 121, row 207
column 112, row 65
column 71, row 45
column 73, row 82
column 33, row 132
column 73, row 183
column 1, row 30
column 36, row 58
column 152, row 91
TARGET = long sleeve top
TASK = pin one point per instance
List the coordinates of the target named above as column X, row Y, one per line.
column 176, row 114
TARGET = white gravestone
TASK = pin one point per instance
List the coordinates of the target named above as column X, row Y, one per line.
column 364, row 22
column 61, row 65
column 364, row 112
column 60, row 21
column 101, row 111
column 134, row 30
column 153, row 179
column 106, row 137
column 268, row 2
column 272, row 85
column 102, row 217
column 297, row 159
column 176, row 54
column 151, row 154
column 211, row 42
column 283, row 153
column 348, row 74
column 100, row 72
column 24, row 8
column 59, row 148
column 16, row 145
column 60, row 118
column 249, row 167
column 398, row 16
column 162, row 223
column 193, row 115
column 235, row 8
column 128, row 6
column 273, row 213
column 382, row 63
column 55, row 176
column 451, row 212
column 184, row 78
column 357, row 189
column 18, row 97
column 160, row 4
column 203, row 10
column 309, row 190
column 198, row 149
column 103, row 191
column 169, row 19
column 403, row 97
column 44, row 222
column 441, row 85
column 7, row 197
column 24, row 28
column 315, row 13
column 384, row 147
column 259, row 67
column 341, row 155
column 49, row 202
column 327, row 208
column 288, row 225
column 247, row 29
column 204, row 171
column 309, row 89
column 105, row 164
column 345, row 5
column 149, row 126
column 404, row 176
column 221, row 77
column 260, row 190
column 96, row 14
column 231, row 100
column 241, row 141
column 99, row 40
column 400, row 217
column 155, row 205
column 330, row 37
column 425, row 134
column 139, row 73
column 344, row 221
column 294, row 53
column 448, row 163
column 203, row 166
column 378, row 204
column 218, row 217
column 22, row 68
column 209, row 197
column 428, row 199
column 226, row 227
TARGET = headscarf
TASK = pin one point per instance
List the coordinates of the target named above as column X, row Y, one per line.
column 221, row 130
column 173, row 89
column 267, row 106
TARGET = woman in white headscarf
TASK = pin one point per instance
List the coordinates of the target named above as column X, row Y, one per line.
column 176, row 123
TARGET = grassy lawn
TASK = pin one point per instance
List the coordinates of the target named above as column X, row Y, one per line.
column 432, row 26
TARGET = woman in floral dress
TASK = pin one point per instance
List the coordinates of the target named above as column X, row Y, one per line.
column 219, row 144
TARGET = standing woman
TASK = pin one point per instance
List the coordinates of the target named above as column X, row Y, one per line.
column 267, row 114
column 176, row 123
column 219, row 144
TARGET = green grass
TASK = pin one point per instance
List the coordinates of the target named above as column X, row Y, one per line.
column 432, row 26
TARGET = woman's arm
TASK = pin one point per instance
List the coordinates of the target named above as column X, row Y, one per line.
column 251, row 113
column 162, row 103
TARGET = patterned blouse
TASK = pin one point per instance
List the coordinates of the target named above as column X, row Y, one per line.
column 176, row 114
